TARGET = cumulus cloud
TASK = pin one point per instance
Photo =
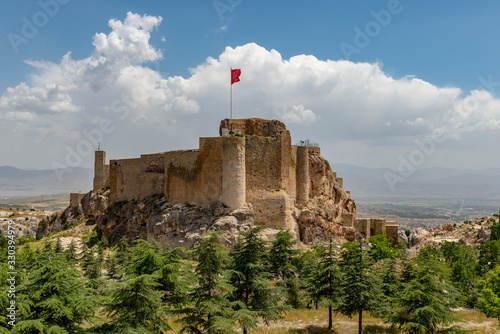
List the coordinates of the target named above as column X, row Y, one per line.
column 296, row 114
column 129, row 40
column 345, row 103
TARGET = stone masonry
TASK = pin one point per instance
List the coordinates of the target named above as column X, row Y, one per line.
column 288, row 186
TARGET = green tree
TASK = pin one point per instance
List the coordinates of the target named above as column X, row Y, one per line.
column 123, row 253
column 281, row 258
column 306, row 264
column 58, row 247
column 212, row 312
column 145, row 258
column 325, row 278
column 281, row 255
column 136, row 307
column 489, row 289
column 71, row 251
column 382, row 248
column 359, row 287
column 425, row 302
column 391, row 285
column 249, row 275
column 489, row 256
column 174, row 278
column 112, row 266
column 54, row 298
column 463, row 262
column 495, row 231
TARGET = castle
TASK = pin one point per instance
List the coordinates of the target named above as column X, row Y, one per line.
column 252, row 161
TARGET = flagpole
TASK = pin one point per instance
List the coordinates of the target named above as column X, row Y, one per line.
column 231, row 101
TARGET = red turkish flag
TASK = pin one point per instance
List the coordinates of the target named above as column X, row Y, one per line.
column 235, row 75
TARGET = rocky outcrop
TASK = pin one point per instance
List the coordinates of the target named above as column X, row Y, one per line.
column 152, row 219
column 322, row 214
column 417, row 236
column 23, row 227
column 59, row 221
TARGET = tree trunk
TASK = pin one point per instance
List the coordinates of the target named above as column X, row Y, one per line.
column 244, row 331
column 360, row 325
column 330, row 320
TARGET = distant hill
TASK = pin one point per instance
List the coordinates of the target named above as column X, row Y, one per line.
column 368, row 183
column 20, row 182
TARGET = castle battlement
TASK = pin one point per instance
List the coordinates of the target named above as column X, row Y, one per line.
column 252, row 161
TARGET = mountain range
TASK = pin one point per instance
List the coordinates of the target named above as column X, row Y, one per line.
column 20, row 182
column 367, row 183
column 363, row 183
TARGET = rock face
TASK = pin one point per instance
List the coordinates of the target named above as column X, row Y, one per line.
column 322, row 214
column 23, row 227
column 417, row 236
column 59, row 221
column 153, row 219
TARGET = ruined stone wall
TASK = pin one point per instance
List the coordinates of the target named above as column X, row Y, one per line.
column 273, row 208
column 254, row 126
column 302, row 175
column 75, row 199
column 392, row 232
column 292, row 173
column 123, row 179
column 101, row 170
column 195, row 176
column 137, row 178
column 263, row 164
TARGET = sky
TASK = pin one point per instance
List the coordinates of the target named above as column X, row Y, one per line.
column 398, row 84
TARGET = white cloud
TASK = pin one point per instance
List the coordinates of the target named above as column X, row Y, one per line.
column 417, row 122
column 296, row 114
column 332, row 102
column 129, row 40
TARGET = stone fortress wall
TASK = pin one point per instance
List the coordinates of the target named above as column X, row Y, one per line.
column 257, row 164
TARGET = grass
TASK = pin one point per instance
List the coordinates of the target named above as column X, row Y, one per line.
column 312, row 321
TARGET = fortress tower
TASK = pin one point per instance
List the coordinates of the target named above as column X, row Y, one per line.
column 287, row 185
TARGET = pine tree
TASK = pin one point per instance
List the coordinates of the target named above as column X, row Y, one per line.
column 136, row 307
column 123, row 254
column 390, row 287
column 145, row 258
column 71, row 252
column 212, row 312
column 489, row 256
column 325, row 279
column 425, row 302
column 249, row 271
column 489, row 289
column 359, row 287
column 306, row 264
column 495, row 230
column 463, row 262
column 281, row 257
column 111, row 266
column 174, row 281
column 281, row 254
column 54, row 298
column 58, row 247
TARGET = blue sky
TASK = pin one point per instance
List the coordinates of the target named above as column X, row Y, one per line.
column 443, row 42
column 429, row 51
